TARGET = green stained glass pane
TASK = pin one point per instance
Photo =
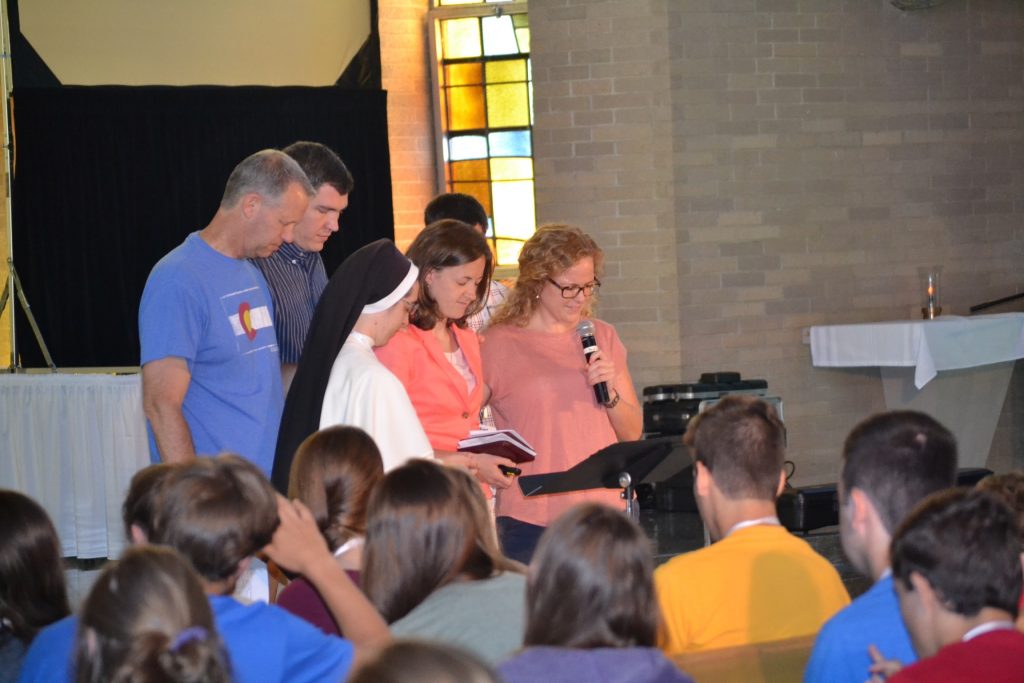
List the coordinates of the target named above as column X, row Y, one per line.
column 508, row 105
column 475, row 169
column 508, row 251
column 514, row 214
column 523, row 38
column 465, row 107
column 521, row 20
column 463, row 74
column 460, row 38
column 511, row 168
column 499, row 36
column 462, row 147
column 481, row 191
column 506, row 71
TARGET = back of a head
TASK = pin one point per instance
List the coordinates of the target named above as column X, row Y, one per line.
column 334, row 472
column 590, row 583
column 966, row 544
column 268, row 173
column 147, row 620
column 1008, row 487
column 410, row 661
column 321, row 165
column 32, row 589
column 216, row 512
column 421, row 534
column 458, row 206
column 898, row 458
column 742, row 443
column 143, row 492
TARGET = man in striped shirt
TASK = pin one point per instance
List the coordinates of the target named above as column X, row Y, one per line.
column 295, row 272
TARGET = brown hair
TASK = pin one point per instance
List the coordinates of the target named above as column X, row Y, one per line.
column 441, row 245
column 591, row 583
column 427, row 526
column 147, row 619
column 138, row 507
column 1008, row 487
column 742, row 443
column 333, row 473
column 897, row 459
column 551, row 250
column 216, row 512
column 32, row 590
column 410, row 661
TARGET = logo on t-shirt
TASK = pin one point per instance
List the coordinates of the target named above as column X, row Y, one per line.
column 249, row 321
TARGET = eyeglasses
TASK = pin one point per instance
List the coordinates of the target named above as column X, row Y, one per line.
column 573, row 291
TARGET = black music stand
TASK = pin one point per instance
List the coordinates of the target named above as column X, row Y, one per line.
column 619, row 466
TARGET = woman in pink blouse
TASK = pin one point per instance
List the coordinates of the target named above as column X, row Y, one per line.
column 542, row 386
column 437, row 357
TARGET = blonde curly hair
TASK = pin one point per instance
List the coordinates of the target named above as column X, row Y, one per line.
column 552, row 250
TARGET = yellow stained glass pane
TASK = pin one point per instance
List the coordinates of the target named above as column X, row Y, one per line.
column 512, row 168
column 514, row 213
column 481, row 191
column 508, row 105
column 463, row 74
column 474, row 169
column 523, row 38
column 506, row 71
column 460, row 38
column 508, row 251
column 465, row 107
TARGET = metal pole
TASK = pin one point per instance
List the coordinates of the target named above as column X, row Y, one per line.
column 6, row 81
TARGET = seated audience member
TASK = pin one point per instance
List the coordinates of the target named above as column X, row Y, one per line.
column 137, row 511
column 890, row 463
column 146, row 619
column 217, row 512
column 757, row 582
column 956, row 567
column 333, row 473
column 32, row 590
column 463, row 207
column 1009, row 487
column 339, row 379
column 410, row 661
column 432, row 566
column 590, row 605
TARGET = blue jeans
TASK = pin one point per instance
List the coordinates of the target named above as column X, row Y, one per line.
column 518, row 539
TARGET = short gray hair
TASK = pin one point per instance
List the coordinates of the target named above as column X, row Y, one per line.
column 268, row 173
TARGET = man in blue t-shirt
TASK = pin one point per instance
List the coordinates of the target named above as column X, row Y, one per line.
column 210, row 370
column 217, row 512
column 890, row 463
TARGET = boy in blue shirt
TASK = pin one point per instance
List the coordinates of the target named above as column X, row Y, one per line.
column 218, row 512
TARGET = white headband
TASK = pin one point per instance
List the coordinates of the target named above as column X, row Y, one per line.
column 400, row 291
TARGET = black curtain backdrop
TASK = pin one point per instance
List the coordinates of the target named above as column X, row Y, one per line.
column 109, row 179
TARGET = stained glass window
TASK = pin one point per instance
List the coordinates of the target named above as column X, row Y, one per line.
column 485, row 112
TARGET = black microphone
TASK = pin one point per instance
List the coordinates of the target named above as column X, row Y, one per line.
column 586, row 332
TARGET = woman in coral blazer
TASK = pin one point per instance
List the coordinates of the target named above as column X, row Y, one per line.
column 437, row 358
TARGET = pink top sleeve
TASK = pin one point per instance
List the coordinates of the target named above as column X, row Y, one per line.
column 539, row 388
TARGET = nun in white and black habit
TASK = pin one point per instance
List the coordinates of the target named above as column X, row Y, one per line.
column 339, row 380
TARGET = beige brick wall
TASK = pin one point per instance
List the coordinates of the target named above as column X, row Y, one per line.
column 406, row 77
column 754, row 167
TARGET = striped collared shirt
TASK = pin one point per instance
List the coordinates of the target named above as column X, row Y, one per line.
column 296, row 279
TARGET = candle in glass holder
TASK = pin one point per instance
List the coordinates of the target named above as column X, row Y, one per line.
column 931, row 308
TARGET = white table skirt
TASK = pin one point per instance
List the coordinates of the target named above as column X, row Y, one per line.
column 929, row 346
column 73, row 442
